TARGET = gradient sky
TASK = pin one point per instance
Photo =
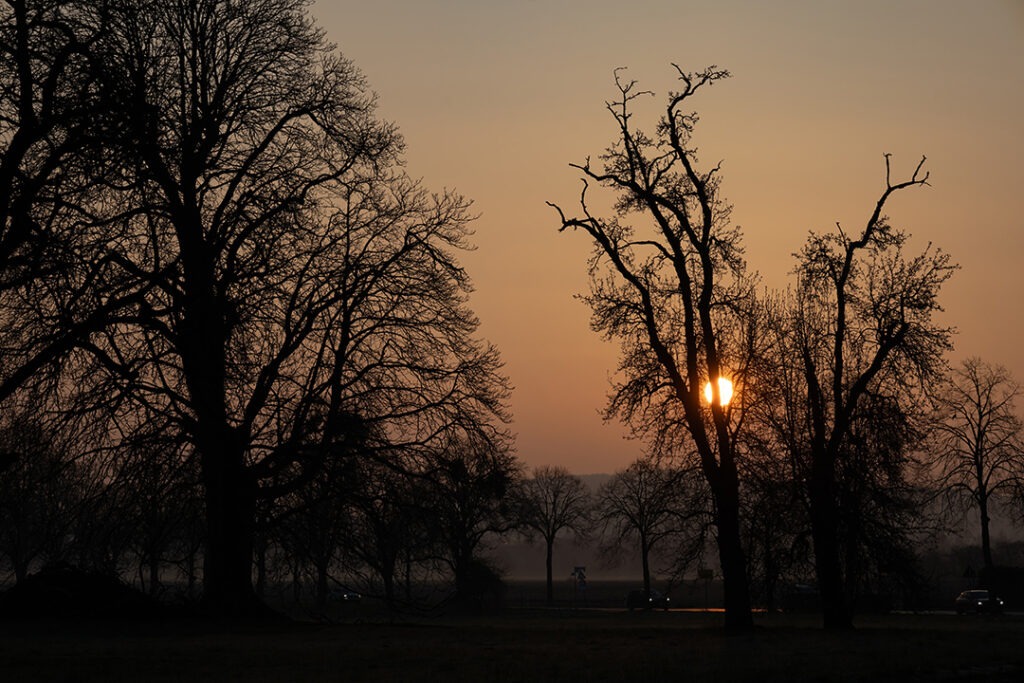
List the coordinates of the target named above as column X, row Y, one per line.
column 495, row 99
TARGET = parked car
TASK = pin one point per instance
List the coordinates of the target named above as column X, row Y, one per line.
column 977, row 601
column 343, row 595
column 647, row 600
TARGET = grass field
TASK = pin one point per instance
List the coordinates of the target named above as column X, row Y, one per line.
column 565, row 645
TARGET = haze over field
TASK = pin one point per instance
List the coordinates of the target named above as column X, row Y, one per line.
column 496, row 99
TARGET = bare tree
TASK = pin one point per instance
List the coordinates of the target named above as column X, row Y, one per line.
column 978, row 454
column 775, row 517
column 470, row 483
column 861, row 327
column 392, row 531
column 37, row 498
column 290, row 287
column 52, row 167
column 667, row 278
column 642, row 505
column 550, row 502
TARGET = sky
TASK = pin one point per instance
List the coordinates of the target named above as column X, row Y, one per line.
column 496, row 98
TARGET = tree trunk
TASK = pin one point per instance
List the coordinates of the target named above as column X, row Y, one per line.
column 388, row 572
column 296, row 582
column 408, row 577
column 20, row 569
column 190, row 572
column 644, row 552
column 321, row 584
column 389, row 589
column 230, row 532
column 735, row 586
column 154, row 574
column 986, row 540
column 261, row 569
column 827, row 559
column 548, row 562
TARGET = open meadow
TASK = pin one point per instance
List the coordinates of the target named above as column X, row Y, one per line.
column 520, row 644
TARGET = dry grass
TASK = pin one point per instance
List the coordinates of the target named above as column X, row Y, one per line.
column 523, row 645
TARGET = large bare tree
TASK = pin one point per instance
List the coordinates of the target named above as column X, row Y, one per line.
column 862, row 333
column 300, row 297
column 668, row 282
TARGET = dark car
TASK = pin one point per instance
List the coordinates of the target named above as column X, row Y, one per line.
column 977, row 601
column 344, row 595
column 647, row 600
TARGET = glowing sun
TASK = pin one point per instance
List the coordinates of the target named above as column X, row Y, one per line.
column 724, row 391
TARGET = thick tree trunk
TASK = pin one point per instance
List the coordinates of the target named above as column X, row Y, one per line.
column 735, row 585
column 20, row 569
column 230, row 515
column 230, row 490
column 835, row 609
column 261, row 569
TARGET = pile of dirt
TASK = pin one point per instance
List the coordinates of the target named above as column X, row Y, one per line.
column 66, row 592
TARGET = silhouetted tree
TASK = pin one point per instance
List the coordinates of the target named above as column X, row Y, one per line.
column 287, row 275
column 666, row 276
column 470, row 484
column 552, row 501
column 37, row 502
column 155, row 479
column 775, row 518
column 861, row 327
column 642, row 504
column 388, row 533
column 54, row 172
column 977, row 455
column 313, row 526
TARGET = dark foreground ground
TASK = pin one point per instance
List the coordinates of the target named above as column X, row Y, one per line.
column 572, row 645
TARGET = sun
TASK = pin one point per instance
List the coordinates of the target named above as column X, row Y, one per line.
column 724, row 391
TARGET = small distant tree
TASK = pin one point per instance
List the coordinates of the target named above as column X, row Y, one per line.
column 385, row 509
column 36, row 504
column 550, row 502
column 640, row 505
column 978, row 453
column 470, row 483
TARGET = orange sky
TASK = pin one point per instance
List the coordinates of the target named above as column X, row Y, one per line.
column 495, row 99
